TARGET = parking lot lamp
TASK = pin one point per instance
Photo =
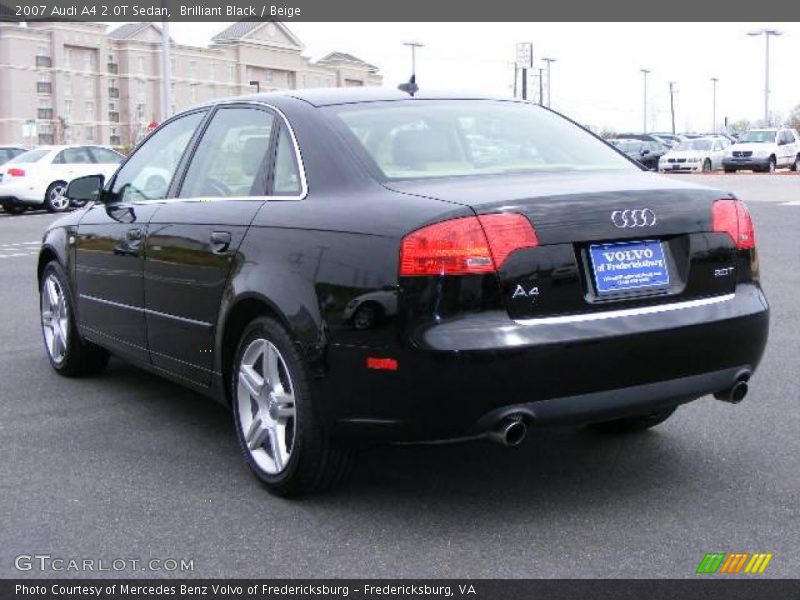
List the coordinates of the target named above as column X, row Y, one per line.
column 766, row 32
column 644, row 104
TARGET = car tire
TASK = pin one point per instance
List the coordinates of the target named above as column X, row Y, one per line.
column 634, row 424
column 706, row 166
column 13, row 209
column 367, row 316
column 55, row 200
column 280, row 432
column 771, row 165
column 796, row 163
column 68, row 353
column 727, row 170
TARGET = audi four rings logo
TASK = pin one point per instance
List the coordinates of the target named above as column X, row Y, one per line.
column 633, row 218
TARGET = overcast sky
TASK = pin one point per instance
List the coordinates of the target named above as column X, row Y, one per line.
column 597, row 78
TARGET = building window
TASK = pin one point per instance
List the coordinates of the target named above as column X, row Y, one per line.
column 231, row 73
column 140, row 112
column 67, row 57
column 88, row 87
column 192, row 69
column 67, row 84
column 43, row 56
column 88, row 61
column 193, row 93
column 140, row 64
column 112, row 106
column 141, row 90
column 68, row 110
column 89, row 133
column 89, row 111
column 269, row 76
column 45, row 109
column 212, row 71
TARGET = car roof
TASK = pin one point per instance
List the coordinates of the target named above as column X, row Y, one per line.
column 354, row 95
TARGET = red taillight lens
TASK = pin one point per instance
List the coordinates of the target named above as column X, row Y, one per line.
column 733, row 218
column 465, row 246
column 15, row 172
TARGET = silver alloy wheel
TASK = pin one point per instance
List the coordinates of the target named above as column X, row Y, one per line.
column 58, row 198
column 265, row 402
column 55, row 318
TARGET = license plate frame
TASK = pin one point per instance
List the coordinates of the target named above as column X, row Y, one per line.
column 630, row 266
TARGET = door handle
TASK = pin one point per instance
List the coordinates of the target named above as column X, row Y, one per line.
column 220, row 240
column 134, row 234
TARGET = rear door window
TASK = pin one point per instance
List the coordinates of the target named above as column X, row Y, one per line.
column 231, row 158
column 73, row 156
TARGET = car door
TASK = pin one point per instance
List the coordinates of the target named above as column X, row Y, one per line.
column 717, row 151
column 786, row 148
column 110, row 243
column 193, row 242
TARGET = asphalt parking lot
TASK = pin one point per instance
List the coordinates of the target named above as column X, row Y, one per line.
column 129, row 466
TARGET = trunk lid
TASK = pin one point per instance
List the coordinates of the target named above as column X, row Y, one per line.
column 583, row 218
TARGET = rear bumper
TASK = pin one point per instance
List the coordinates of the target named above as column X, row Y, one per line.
column 461, row 376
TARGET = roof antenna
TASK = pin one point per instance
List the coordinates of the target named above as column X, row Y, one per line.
column 410, row 87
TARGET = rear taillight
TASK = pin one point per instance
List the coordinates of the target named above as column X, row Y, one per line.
column 469, row 245
column 15, row 172
column 733, row 218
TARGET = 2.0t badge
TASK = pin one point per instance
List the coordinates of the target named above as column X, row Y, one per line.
column 633, row 218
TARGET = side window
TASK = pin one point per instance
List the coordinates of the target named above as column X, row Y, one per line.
column 230, row 160
column 286, row 174
column 73, row 156
column 4, row 155
column 105, row 156
column 148, row 173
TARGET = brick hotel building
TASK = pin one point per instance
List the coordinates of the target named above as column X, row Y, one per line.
column 76, row 83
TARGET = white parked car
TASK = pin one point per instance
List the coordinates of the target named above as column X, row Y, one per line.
column 698, row 154
column 764, row 150
column 38, row 178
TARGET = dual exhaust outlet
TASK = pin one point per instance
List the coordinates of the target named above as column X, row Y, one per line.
column 511, row 431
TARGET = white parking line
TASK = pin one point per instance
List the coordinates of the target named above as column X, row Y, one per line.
column 36, row 243
column 791, row 203
column 18, row 254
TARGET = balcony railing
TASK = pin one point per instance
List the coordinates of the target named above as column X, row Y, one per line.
column 44, row 87
column 44, row 61
column 46, row 139
column 45, row 113
column 113, row 67
column 113, row 92
column 113, row 117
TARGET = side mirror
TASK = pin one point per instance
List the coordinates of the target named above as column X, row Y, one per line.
column 645, row 152
column 85, row 189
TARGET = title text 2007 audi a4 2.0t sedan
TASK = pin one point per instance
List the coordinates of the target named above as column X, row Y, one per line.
column 341, row 265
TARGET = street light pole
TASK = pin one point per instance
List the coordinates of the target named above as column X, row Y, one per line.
column 166, row 72
column 549, row 61
column 766, row 33
column 644, row 104
column 672, row 104
column 714, row 81
column 414, row 46
column 541, row 87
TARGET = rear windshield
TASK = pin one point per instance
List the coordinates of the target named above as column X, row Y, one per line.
column 419, row 139
column 31, row 156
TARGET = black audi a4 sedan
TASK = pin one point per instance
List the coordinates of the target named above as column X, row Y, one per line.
column 518, row 272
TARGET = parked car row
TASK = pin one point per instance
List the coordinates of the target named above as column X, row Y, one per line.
column 38, row 178
column 763, row 150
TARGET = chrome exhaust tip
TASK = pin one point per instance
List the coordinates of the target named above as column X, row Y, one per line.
column 509, row 432
column 736, row 392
